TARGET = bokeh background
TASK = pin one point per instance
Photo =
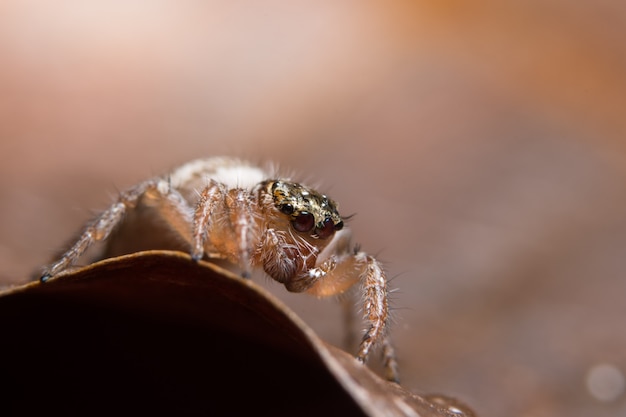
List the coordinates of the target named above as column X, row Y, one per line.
column 482, row 146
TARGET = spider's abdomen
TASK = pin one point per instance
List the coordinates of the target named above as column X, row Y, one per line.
column 233, row 173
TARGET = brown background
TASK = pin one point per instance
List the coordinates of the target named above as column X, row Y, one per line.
column 481, row 145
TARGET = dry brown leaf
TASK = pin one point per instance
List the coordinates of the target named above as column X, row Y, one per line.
column 153, row 332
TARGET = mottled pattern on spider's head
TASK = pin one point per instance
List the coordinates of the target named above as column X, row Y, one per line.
column 309, row 210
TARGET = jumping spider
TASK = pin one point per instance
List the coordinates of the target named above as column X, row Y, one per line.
column 228, row 209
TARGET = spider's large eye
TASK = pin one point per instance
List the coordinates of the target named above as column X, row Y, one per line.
column 326, row 230
column 287, row 208
column 304, row 222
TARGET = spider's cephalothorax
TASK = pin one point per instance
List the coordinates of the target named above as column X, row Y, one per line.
column 309, row 210
column 229, row 209
column 299, row 226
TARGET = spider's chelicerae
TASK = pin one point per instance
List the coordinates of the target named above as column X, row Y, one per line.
column 229, row 209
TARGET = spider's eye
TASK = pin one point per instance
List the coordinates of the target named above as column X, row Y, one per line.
column 287, row 208
column 326, row 230
column 304, row 222
column 339, row 225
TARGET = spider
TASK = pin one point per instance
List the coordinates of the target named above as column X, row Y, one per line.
column 229, row 209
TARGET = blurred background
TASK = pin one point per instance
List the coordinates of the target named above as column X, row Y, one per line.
column 481, row 145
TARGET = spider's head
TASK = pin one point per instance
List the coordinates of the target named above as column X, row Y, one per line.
column 309, row 211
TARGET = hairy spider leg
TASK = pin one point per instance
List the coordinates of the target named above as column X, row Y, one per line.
column 376, row 314
column 347, row 302
column 336, row 275
column 210, row 196
column 375, row 308
column 244, row 225
column 170, row 203
column 390, row 362
column 339, row 277
column 233, row 210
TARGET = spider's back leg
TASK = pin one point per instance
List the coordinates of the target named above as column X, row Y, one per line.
column 171, row 205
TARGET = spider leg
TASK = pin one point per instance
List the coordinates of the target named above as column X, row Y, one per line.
column 172, row 207
column 347, row 303
column 390, row 362
column 226, row 219
column 376, row 314
column 244, row 226
column 340, row 272
column 203, row 216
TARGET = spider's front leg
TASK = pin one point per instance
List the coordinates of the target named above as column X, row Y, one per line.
column 170, row 204
column 376, row 314
column 339, row 273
